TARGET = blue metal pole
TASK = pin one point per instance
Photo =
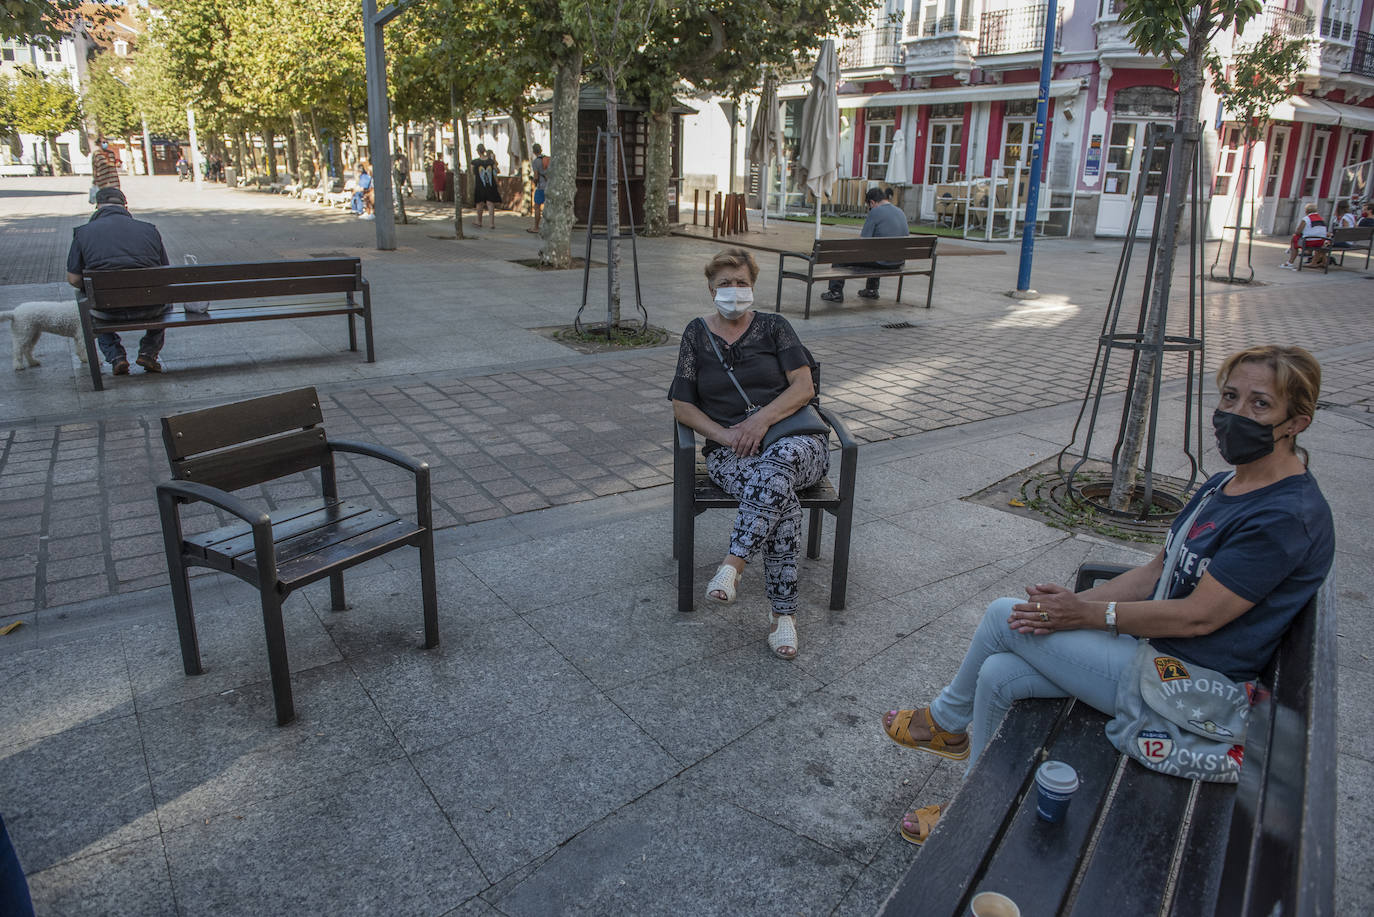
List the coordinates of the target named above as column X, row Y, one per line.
column 1042, row 106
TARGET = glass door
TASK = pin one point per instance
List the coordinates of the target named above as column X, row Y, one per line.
column 1121, row 181
column 1274, row 153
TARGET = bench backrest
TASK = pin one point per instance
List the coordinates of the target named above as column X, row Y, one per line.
column 840, row 251
column 1353, row 234
column 147, row 286
column 1280, row 857
column 249, row 442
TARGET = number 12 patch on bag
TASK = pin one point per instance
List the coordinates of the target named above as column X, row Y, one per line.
column 1155, row 744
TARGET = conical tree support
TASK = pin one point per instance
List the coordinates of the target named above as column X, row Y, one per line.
column 1158, row 148
column 602, row 138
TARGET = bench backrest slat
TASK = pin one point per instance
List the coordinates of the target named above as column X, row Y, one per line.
column 830, row 251
column 1353, row 234
column 1281, row 852
column 210, row 273
column 132, row 296
column 255, row 463
column 195, row 432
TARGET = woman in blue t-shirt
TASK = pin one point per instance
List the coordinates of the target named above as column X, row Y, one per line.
column 1251, row 558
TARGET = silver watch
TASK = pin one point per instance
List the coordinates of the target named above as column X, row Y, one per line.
column 1111, row 618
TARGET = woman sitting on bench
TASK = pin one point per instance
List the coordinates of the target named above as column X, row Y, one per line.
column 740, row 372
column 1241, row 560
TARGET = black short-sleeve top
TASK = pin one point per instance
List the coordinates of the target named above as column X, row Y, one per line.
column 762, row 357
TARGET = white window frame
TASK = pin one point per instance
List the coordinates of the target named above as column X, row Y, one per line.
column 1316, row 162
column 1338, row 20
column 949, row 124
column 1228, row 160
column 878, row 167
column 1275, row 152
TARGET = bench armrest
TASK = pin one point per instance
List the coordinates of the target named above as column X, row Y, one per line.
column 192, row 492
column 808, row 257
column 384, row 453
column 686, row 437
column 1090, row 574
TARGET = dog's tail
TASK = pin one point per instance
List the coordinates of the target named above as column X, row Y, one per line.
column 7, row 316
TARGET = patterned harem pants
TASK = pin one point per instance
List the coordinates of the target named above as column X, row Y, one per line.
column 770, row 516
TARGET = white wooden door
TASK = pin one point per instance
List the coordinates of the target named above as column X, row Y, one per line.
column 1120, row 178
column 1274, row 153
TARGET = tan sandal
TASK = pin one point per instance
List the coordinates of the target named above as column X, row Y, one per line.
column 782, row 640
column 916, row 825
column 726, row 581
column 952, row 745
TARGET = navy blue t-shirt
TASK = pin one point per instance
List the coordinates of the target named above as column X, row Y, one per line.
column 1273, row 547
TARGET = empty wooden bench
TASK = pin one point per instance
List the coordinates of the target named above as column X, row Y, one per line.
column 694, row 493
column 218, row 450
column 827, row 258
column 250, row 292
column 1136, row 842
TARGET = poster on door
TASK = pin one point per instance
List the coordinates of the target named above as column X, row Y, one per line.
column 1092, row 163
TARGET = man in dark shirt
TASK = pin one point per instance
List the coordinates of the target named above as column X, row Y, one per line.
column 110, row 241
column 884, row 220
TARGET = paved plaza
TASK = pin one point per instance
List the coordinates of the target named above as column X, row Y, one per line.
column 575, row 745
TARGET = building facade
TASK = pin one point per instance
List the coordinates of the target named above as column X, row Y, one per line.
column 952, row 85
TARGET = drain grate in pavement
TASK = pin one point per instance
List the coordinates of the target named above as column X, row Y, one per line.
column 893, row 326
column 328, row 254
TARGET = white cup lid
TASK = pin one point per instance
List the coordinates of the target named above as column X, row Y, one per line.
column 1057, row 777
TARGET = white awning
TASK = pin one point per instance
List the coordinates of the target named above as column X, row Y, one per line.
column 1320, row 111
column 988, row 93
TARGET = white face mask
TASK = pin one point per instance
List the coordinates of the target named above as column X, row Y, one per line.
column 732, row 302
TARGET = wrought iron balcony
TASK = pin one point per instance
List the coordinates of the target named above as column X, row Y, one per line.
column 1288, row 23
column 1362, row 58
column 880, row 47
column 1019, row 30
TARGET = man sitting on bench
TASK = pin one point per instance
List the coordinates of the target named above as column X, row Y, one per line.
column 112, row 240
column 884, row 220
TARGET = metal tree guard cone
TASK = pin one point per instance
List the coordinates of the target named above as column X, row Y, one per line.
column 1088, row 486
column 602, row 140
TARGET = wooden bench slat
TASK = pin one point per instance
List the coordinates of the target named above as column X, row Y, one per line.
column 339, row 553
column 1031, row 846
column 232, row 542
column 229, row 316
column 206, row 430
column 1200, row 868
column 213, row 273
column 157, row 294
column 240, row 466
column 1140, row 832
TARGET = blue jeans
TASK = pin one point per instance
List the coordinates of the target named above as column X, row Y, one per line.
column 1002, row 666
column 149, row 346
column 14, row 888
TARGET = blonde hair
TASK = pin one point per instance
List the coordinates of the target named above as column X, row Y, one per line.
column 1310, row 207
column 730, row 258
column 1297, row 376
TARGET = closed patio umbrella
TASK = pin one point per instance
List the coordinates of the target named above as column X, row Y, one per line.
column 898, row 166
column 819, row 150
column 765, row 138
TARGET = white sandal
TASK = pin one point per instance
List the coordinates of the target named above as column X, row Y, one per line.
column 725, row 580
column 784, row 636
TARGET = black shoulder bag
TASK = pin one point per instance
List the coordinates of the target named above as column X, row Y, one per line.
column 805, row 422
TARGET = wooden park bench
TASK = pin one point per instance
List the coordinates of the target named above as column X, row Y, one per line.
column 1136, row 842
column 1351, row 239
column 828, row 257
column 694, row 493
column 297, row 289
column 221, row 449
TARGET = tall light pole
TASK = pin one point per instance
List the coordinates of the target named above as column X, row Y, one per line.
column 1042, row 106
column 379, row 117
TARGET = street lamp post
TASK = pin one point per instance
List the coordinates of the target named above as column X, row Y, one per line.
column 1042, row 105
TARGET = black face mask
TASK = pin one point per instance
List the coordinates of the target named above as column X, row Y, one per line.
column 1241, row 440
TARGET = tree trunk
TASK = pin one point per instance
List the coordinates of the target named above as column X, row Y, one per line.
column 464, row 177
column 522, row 156
column 658, row 164
column 269, row 142
column 293, row 155
column 238, row 151
column 457, row 172
column 558, row 205
column 612, row 202
column 1184, row 148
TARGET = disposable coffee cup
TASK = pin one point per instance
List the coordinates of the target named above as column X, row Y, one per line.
column 991, row 904
column 1055, row 783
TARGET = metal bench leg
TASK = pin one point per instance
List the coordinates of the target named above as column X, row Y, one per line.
column 901, row 279
column 276, row 653
column 813, row 533
column 92, row 352
column 930, row 284
column 809, row 284
column 336, row 592
column 181, row 586
column 428, row 591
column 839, row 571
column 352, row 334
column 367, row 322
column 684, row 537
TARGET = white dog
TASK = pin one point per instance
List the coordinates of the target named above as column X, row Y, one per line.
column 33, row 318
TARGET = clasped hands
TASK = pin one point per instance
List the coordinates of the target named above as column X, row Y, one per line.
column 745, row 437
column 1048, row 608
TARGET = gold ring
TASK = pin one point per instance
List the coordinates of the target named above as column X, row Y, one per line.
column 1045, row 616
column 1037, row 606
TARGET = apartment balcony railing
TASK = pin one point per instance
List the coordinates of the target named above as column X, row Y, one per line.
column 1288, row 23
column 1336, row 29
column 944, row 25
column 1017, row 30
column 880, row 47
column 1362, row 56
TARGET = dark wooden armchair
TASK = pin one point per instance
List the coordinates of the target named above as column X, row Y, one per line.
column 221, row 449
